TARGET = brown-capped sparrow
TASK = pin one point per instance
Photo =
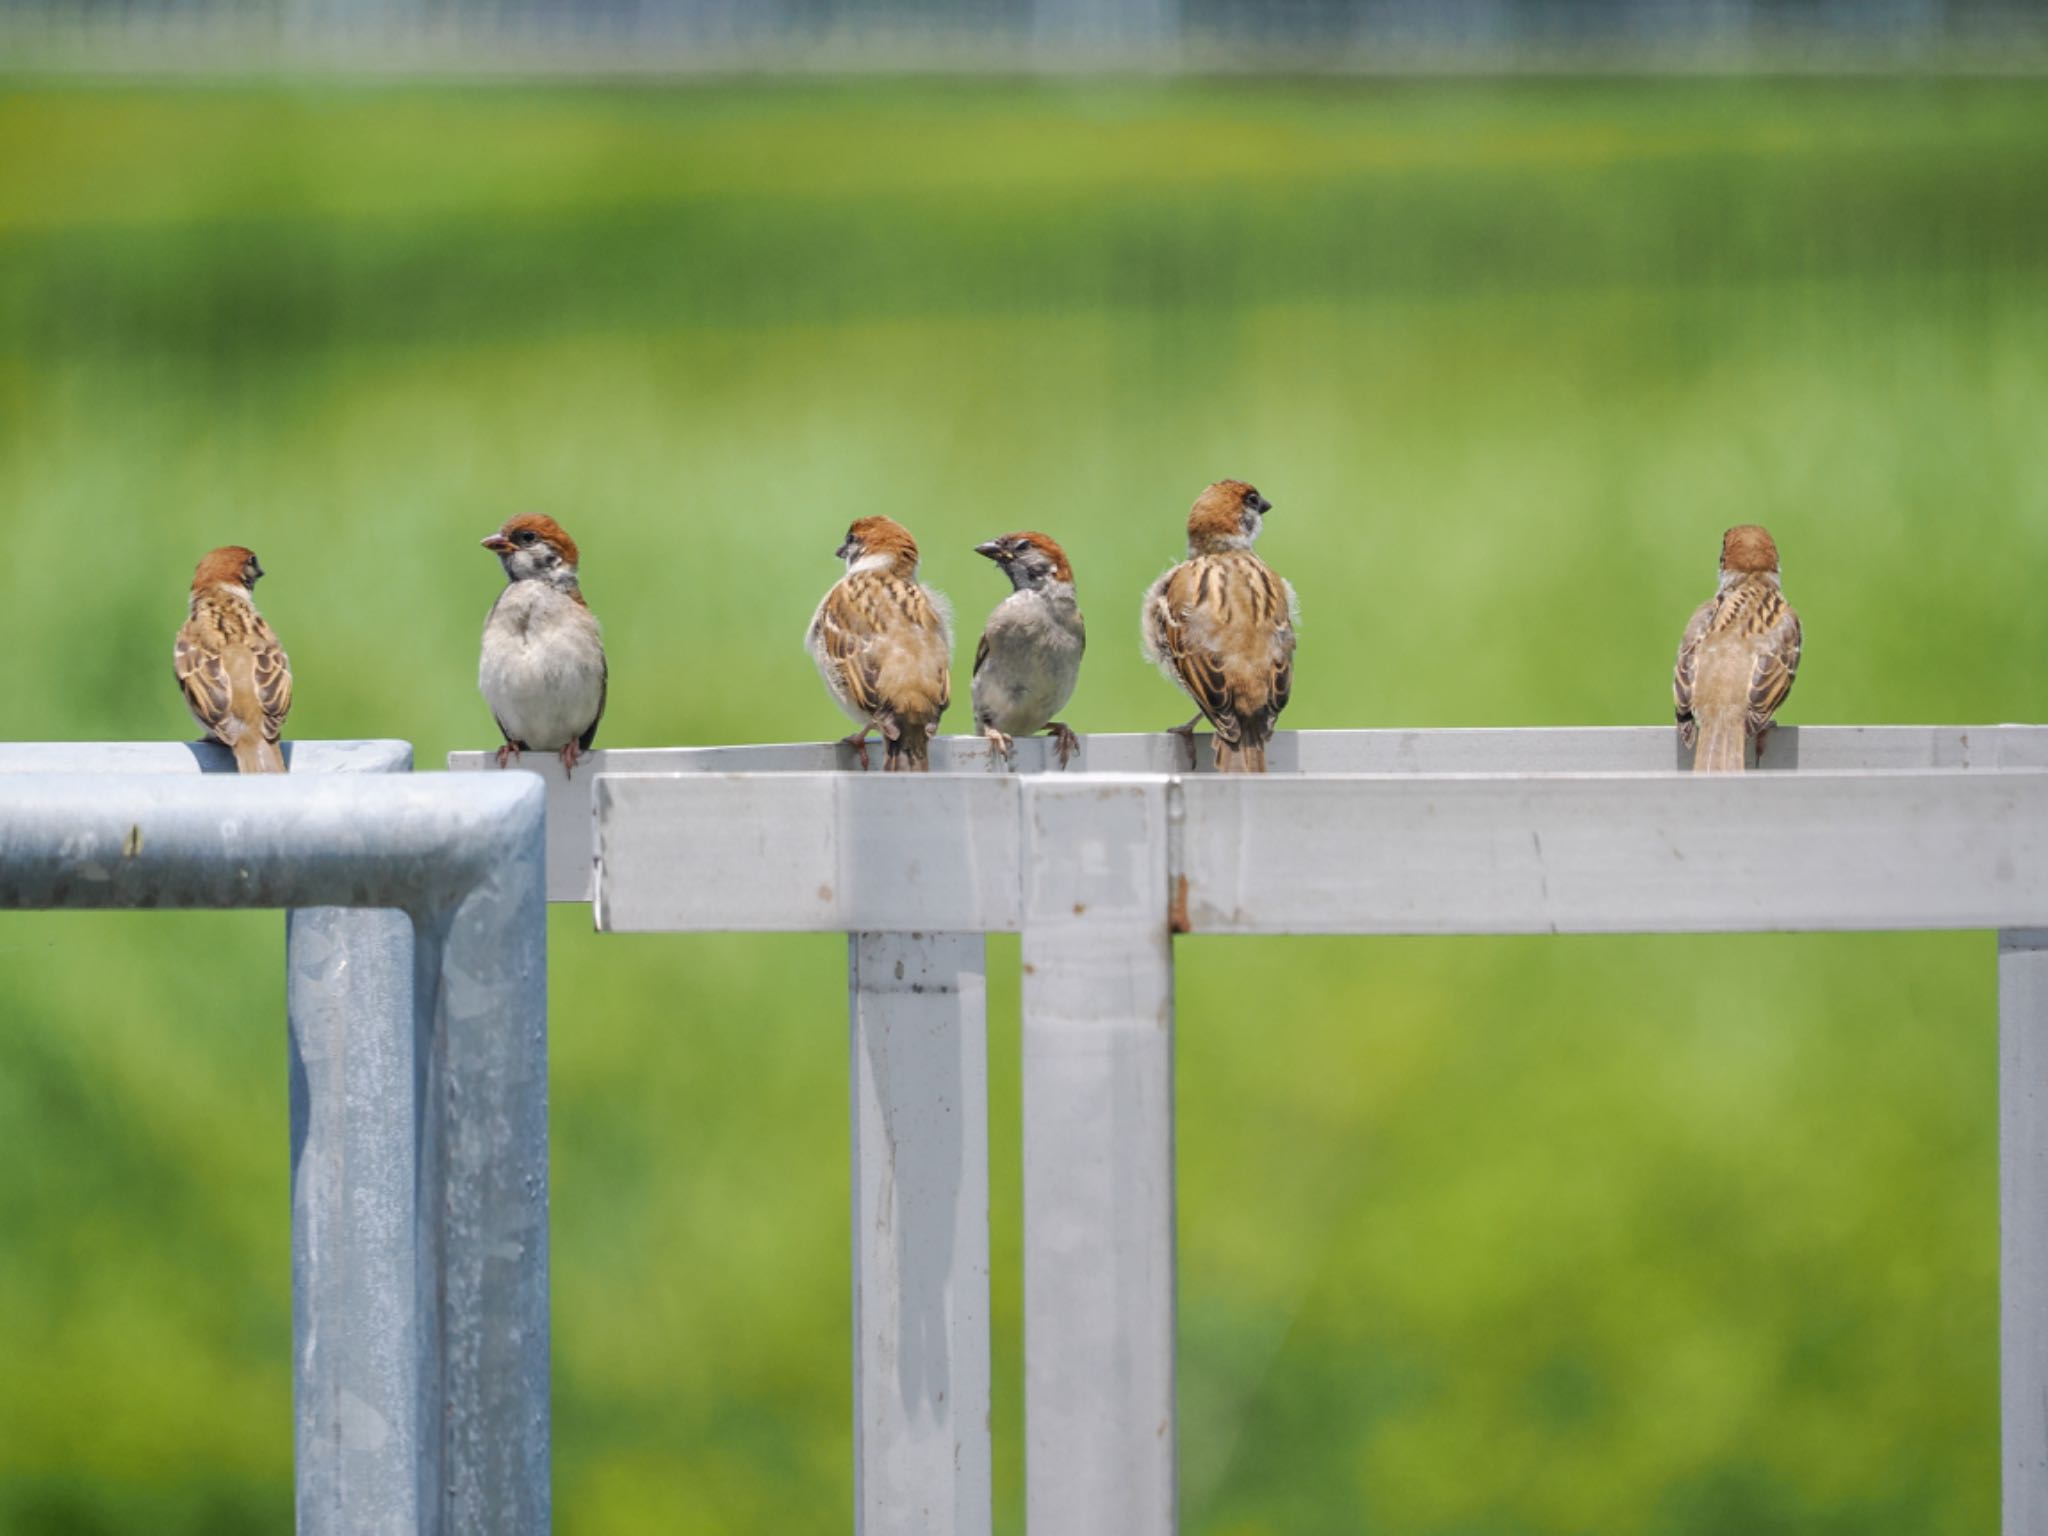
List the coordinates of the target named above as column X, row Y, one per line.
column 884, row 645
column 1739, row 656
column 1030, row 652
column 543, row 669
column 236, row 678
column 1221, row 625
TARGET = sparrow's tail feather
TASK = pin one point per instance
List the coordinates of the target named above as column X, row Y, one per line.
column 257, row 753
column 910, row 751
column 1240, row 756
column 1721, row 742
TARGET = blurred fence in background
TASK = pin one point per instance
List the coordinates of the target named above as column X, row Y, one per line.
column 715, row 35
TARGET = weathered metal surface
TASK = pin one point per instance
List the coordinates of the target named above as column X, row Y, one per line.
column 807, row 852
column 1099, row 1413
column 1575, row 749
column 1616, row 853
column 421, row 1365
column 2023, row 1226
column 920, row 1234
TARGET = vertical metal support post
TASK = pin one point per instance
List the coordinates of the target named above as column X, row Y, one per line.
column 2023, row 1227
column 355, row 1328
column 481, row 987
column 1099, row 1319
column 920, row 1234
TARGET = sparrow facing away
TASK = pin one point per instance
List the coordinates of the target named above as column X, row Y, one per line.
column 884, row 645
column 1030, row 653
column 1739, row 655
column 1220, row 625
column 543, row 670
column 236, row 678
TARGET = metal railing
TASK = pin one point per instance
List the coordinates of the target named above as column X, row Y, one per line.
column 1361, row 832
column 417, row 999
column 419, row 1121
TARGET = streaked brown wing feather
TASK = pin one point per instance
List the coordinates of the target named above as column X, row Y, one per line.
column 203, row 679
column 1777, row 665
column 1199, row 669
column 1685, row 675
column 273, row 672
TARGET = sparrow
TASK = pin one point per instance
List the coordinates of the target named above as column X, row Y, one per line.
column 236, row 678
column 1220, row 625
column 543, row 670
column 1030, row 652
column 884, row 645
column 1739, row 655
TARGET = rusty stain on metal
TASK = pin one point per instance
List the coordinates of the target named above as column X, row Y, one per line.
column 1177, row 911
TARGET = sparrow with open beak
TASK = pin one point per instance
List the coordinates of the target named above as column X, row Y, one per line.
column 883, row 642
column 236, row 678
column 1221, row 625
column 1738, row 658
column 543, row 669
column 1030, row 652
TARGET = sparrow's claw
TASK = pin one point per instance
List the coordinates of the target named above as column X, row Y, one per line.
column 1065, row 742
column 571, row 755
column 999, row 745
column 508, row 753
column 859, row 742
column 1760, row 735
column 1187, row 735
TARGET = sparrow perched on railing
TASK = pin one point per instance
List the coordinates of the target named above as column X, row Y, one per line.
column 1030, row 652
column 236, row 678
column 1739, row 656
column 1221, row 625
column 884, row 645
column 543, row 670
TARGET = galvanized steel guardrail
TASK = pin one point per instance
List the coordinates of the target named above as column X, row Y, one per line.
column 417, row 1006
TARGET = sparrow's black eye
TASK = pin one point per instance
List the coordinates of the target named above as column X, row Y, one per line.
column 524, row 536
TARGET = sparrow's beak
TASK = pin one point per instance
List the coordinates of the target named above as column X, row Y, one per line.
column 993, row 551
column 498, row 544
column 1260, row 505
column 844, row 551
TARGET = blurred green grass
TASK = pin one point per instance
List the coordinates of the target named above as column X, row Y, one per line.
column 1660, row 1236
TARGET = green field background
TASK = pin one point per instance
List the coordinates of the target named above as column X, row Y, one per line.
column 1672, row 1237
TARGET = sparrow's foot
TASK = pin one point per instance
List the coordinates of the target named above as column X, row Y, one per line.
column 1064, row 742
column 1760, row 736
column 508, row 753
column 859, row 742
column 1187, row 735
column 999, row 745
column 571, row 755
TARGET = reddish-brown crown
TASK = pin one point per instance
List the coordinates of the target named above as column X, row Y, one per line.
column 1217, row 517
column 1748, row 548
column 232, row 564
column 1061, row 571
column 548, row 530
column 884, row 536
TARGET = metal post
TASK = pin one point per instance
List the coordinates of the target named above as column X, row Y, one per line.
column 920, row 1234
column 2023, row 1226
column 355, row 1440
column 465, row 859
column 1100, row 1432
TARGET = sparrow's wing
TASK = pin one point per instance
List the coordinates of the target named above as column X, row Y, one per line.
column 273, row 673
column 203, row 677
column 604, row 688
column 1275, row 614
column 1686, row 674
column 1777, row 661
column 1194, row 589
column 980, row 654
column 846, row 632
